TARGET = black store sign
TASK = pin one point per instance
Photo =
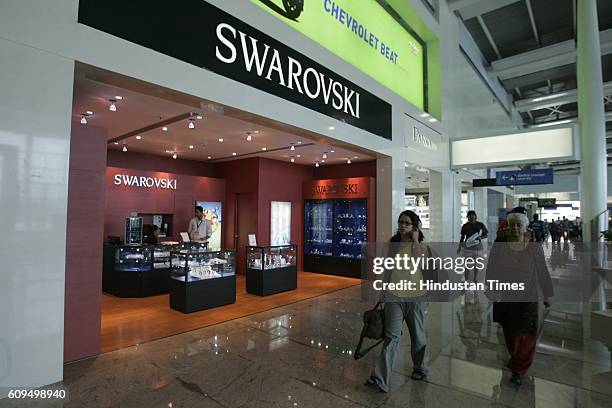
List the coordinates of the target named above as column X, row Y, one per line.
column 198, row 33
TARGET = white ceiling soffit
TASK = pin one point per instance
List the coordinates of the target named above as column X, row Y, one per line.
column 545, row 58
column 473, row 8
column 528, row 146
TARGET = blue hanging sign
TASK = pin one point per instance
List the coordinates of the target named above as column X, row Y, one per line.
column 524, row 177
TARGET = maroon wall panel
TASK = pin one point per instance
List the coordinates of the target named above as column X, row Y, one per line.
column 151, row 162
column 334, row 171
column 122, row 200
column 84, row 232
column 281, row 181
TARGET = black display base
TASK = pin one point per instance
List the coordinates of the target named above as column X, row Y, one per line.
column 138, row 284
column 188, row 297
column 331, row 265
column 270, row 281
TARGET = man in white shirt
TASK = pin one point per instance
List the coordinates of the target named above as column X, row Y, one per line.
column 200, row 229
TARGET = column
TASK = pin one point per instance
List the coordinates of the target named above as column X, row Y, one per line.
column 444, row 206
column 592, row 120
column 390, row 192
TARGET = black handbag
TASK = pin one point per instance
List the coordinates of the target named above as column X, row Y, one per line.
column 373, row 328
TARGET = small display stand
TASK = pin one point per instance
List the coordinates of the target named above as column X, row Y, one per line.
column 202, row 280
column 271, row 269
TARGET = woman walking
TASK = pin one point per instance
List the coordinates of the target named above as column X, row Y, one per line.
column 514, row 259
column 403, row 306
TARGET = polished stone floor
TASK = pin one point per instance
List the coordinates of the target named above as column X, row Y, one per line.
column 300, row 355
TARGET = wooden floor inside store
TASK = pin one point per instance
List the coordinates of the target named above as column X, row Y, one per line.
column 130, row 321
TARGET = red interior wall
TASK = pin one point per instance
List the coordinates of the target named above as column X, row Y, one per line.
column 84, row 234
column 151, row 162
column 123, row 200
column 281, row 181
column 336, row 171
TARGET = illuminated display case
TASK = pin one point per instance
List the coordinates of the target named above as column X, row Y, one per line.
column 271, row 269
column 202, row 280
column 136, row 270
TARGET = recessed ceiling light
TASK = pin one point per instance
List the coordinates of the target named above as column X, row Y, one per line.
column 209, row 157
column 233, row 154
column 331, row 128
column 138, row 137
column 116, row 143
column 249, row 137
column 424, row 115
column 299, row 142
column 433, row 120
column 354, row 157
column 191, row 124
column 165, row 129
column 220, row 140
column 323, row 161
column 256, row 131
column 168, row 151
column 348, row 161
column 118, row 97
column 199, row 117
column 325, row 155
column 264, row 148
column 332, row 151
column 191, row 146
column 89, row 112
column 317, row 164
column 292, row 159
column 299, row 155
column 124, row 148
column 112, row 107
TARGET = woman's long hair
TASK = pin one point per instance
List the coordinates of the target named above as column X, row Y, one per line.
column 414, row 219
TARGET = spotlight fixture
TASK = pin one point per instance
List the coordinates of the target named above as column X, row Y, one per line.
column 124, row 148
column 256, row 131
column 348, row 161
column 165, row 129
column 325, row 155
column 292, row 159
column 220, row 140
column 138, row 137
column 168, row 151
column 118, row 97
column 84, row 119
column 331, row 128
column 264, row 148
column 299, row 142
column 112, row 106
column 199, row 117
column 209, row 157
column 233, row 154
column 174, row 156
column 116, row 143
column 332, row 151
column 191, row 146
column 249, row 137
column 88, row 113
column 191, row 124
column 354, row 157
column 299, row 155
column 323, row 161
column 292, row 146
column 317, row 164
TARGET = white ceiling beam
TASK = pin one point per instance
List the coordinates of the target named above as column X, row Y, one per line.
column 474, row 8
column 545, row 58
column 556, row 99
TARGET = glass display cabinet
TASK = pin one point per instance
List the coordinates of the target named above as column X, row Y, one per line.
column 335, row 234
column 136, row 270
column 271, row 269
column 202, row 280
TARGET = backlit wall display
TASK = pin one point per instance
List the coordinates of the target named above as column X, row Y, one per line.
column 362, row 33
column 212, row 212
column 518, row 147
column 280, row 223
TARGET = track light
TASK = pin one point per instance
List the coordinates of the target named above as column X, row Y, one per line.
column 138, row 137
column 292, row 147
column 84, row 119
column 112, row 106
column 292, row 159
column 264, row 148
column 165, row 129
column 325, row 155
column 191, row 124
column 348, row 161
column 191, row 146
column 233, row 154
column 249, row 137
column 174, row 156
column 317, row 164
column 124, row 148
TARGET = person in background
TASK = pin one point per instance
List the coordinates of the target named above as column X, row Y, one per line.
column 403, row 306
column 537, row 227
column 150, row 234
column 200, row 229
column 555, row 231
column 472, row 233
column 514, row 259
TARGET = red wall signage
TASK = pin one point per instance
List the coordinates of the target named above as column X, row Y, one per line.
column 354, row 187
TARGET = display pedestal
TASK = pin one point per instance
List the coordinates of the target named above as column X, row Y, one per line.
column 270, row 281
column 149, row 282
column 331, row 265
column 188, row 297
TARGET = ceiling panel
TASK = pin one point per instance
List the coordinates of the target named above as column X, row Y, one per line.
column 604, row 12
column 511, row 29
column 554, row 20
column 480, row 38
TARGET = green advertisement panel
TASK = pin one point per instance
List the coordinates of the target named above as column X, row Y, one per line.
column 362, row 33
